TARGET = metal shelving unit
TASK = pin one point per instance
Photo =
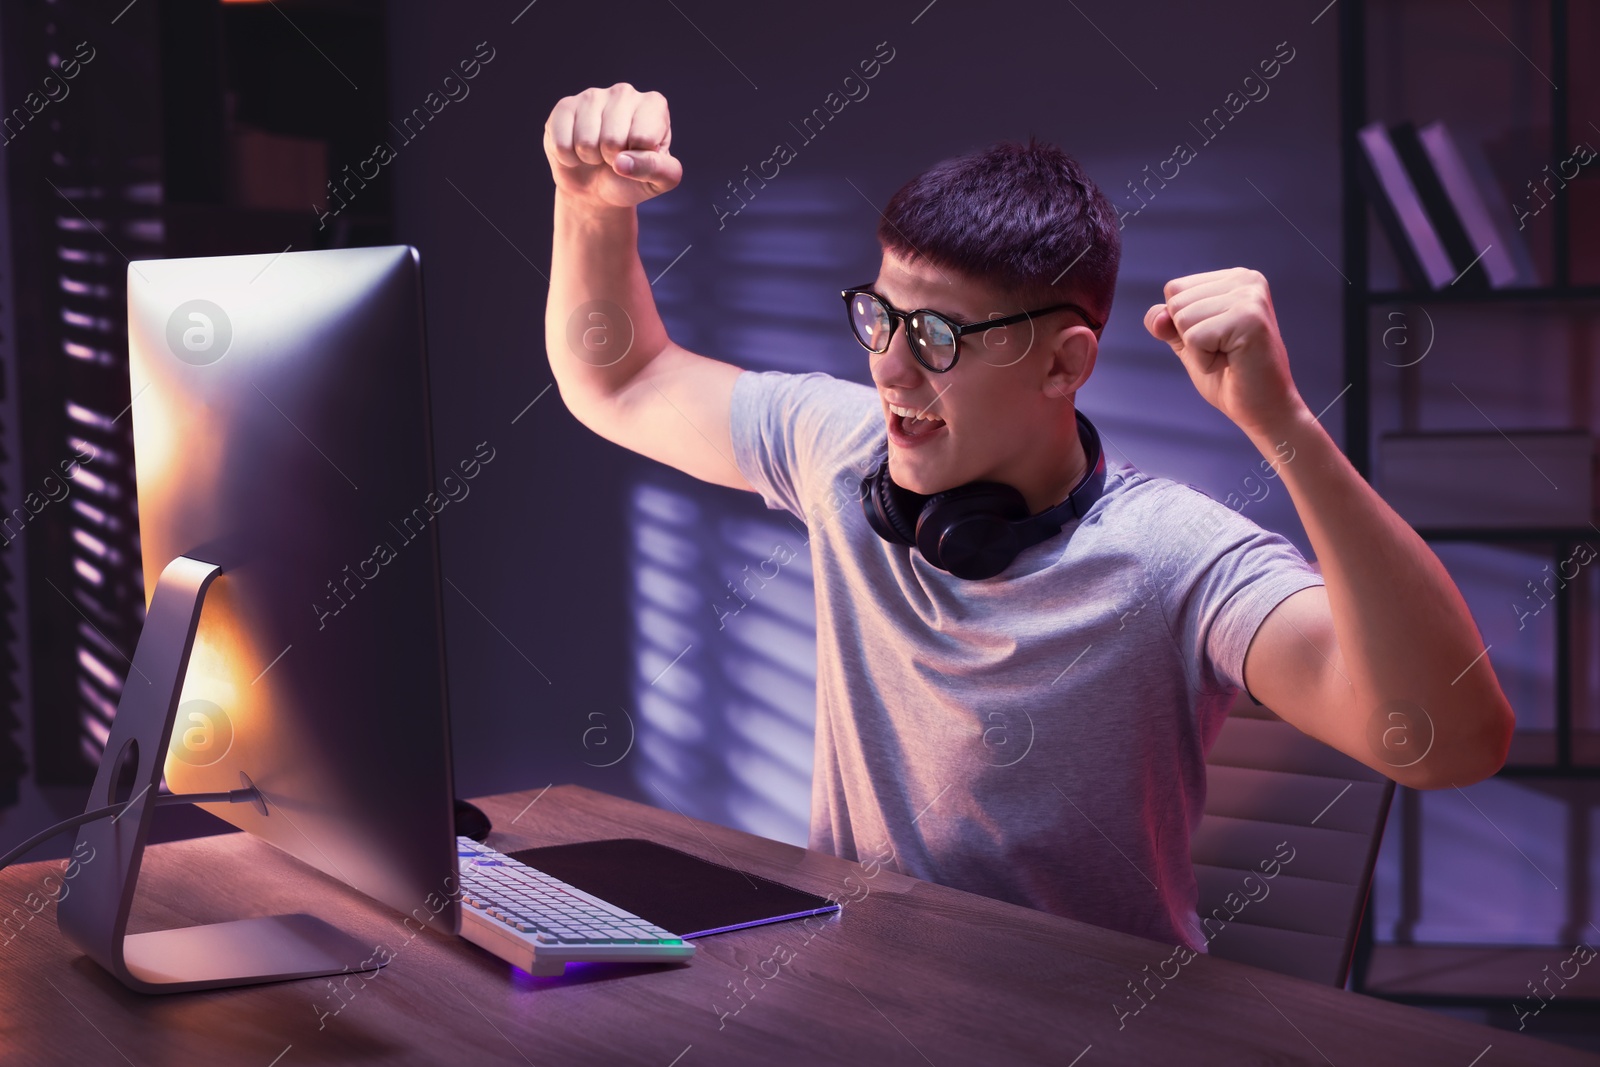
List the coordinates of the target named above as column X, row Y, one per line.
column 1361, row 300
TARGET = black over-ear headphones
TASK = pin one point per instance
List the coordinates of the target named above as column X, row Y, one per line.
column 976, row 530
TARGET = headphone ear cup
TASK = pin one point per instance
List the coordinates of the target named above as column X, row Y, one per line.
column 891, row 510
column 968, row 530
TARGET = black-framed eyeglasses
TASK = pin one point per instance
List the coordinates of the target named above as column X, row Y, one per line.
column 934, row 339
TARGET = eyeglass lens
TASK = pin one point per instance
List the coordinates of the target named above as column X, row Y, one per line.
column 931, row 337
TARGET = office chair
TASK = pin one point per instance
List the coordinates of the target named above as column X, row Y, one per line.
column 1269, row 783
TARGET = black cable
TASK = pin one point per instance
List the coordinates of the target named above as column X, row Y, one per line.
column 234, row 796
column 61, row 827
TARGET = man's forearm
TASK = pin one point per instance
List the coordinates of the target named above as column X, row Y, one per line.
column 601, row 324
column 1403, row 629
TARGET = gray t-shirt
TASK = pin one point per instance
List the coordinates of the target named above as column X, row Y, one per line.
column 1039, row 736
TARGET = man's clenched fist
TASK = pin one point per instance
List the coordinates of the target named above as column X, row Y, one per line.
column 609, row 147
column 1221, row 324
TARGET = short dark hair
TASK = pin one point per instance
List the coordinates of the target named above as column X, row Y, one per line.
column 1013, row 214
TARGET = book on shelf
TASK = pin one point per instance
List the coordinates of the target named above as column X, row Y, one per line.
column 1489, row 479
column 1469, row 186
column 1398, row 205
column 1440, row 208
column 1438, row 203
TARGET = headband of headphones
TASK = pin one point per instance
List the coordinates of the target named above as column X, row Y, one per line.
column 976, row 530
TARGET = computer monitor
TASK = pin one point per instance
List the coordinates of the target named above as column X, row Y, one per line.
column 288, row 525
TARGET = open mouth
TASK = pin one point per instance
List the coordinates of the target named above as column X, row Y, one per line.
column 913, row 424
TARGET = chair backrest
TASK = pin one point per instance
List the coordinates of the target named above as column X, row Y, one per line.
column 1268, row 784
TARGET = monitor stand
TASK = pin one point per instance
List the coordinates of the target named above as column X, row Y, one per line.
column 94, row 915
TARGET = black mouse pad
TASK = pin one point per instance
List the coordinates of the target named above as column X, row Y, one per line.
column 678, row 892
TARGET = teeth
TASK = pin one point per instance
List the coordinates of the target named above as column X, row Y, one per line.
column 911, row 413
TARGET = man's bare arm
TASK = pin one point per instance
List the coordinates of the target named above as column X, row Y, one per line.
column 616, row 369
column 1385, row 663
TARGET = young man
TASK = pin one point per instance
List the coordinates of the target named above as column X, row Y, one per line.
column 1036, row 730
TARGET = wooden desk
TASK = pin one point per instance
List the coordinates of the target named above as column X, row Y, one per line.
column 910, row 973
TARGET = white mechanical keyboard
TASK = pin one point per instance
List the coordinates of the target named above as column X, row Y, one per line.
column 541, row 924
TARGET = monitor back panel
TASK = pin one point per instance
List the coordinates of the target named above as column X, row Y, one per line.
column 281, row 430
